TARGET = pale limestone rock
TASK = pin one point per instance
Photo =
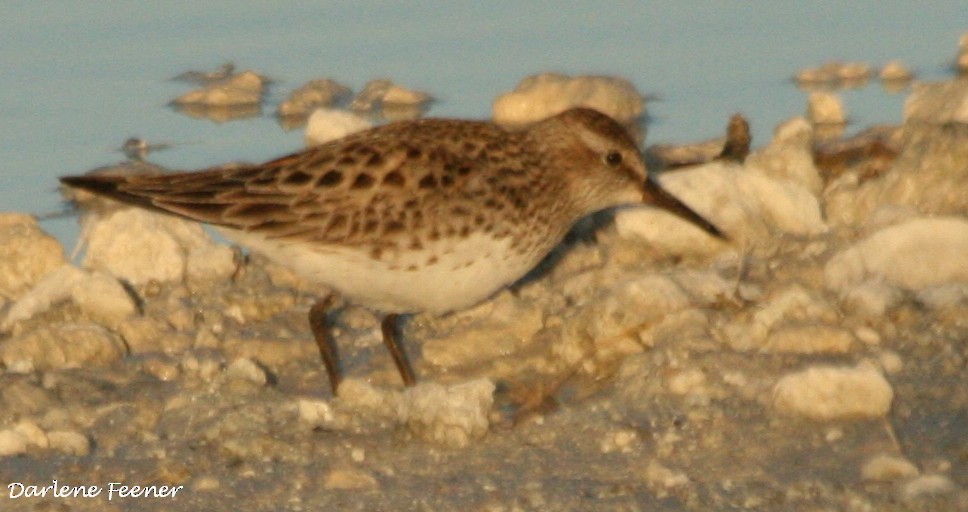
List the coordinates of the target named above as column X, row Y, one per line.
column 871, row 298
column 453, row 416
column 63, row 346
column 926, row 486
column 12, row 443
column 325, row 125
column 789, row 155
column 314, row 94
column 743, row 201
column 383, row 93
column 69, row 442
column 809, row 339
column 139, row 246
column 244, row 88
column 32, row 433
column 828, row 393
column 938, row 102
column 349, row 479
column 247, row 370
column 825, row 108
column 895, row 71
column 541, row 96
column 888, row 468
column 26, row 254
column 54, row 287
column 103, row 299
column 208, row 263
column 913, row 255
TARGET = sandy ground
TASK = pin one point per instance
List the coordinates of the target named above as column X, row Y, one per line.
column 817, row 361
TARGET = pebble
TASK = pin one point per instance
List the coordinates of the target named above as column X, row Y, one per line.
column 247, row 370
column 661, row 479
column 326, row 125
column 349, row 479
column 69, row 442
column 316, row 413
column 26, row 254
column 888, row 468
column 12, row 443
column 161, row 369
column 825, row 108
column 541, row 96
column 871, row 298
column 913, row 255
column 828, row 393
column 321, row 92
column 452, row 416
column 926, row 486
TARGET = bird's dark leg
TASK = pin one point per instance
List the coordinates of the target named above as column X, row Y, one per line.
column 391, row 337
column 327, row 347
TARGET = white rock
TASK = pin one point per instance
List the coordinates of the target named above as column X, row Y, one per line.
column 246, row 369
column 383, row 93
column 789, row 155
column 825, row 108
column 32, row 433
column 660, row 477
column 834, row 393
column 26, row 254
column 139, row 246
column 540, row 96
column 938, row 102
column 325, row 125
column 742, row 201
column 244, row 88
column 54, row 287
column 450, row 415
column 871, row 298
column 63, row 346
column 209, row 263
column 12, row 443
column 888, row 468
column 926, row 485
column 315, row 412
column 913, row 255
column 349, row 479
column 810, row 339
column 314, row 94
column 895, row 71
column 69, row 442
column 103, row 298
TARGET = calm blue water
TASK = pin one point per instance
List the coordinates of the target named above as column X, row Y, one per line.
column 78, row 78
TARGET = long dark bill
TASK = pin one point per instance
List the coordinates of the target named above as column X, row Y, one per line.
column 654, row 194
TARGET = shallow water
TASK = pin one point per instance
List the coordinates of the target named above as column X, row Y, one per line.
column 79, row 79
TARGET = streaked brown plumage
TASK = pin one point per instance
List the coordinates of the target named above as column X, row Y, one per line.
column 430, row 215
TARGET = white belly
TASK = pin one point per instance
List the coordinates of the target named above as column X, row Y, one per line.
column 466, row 272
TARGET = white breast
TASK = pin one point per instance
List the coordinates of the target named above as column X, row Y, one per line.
column 466, row 272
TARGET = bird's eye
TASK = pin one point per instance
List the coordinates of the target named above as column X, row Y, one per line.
column 613, row 158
